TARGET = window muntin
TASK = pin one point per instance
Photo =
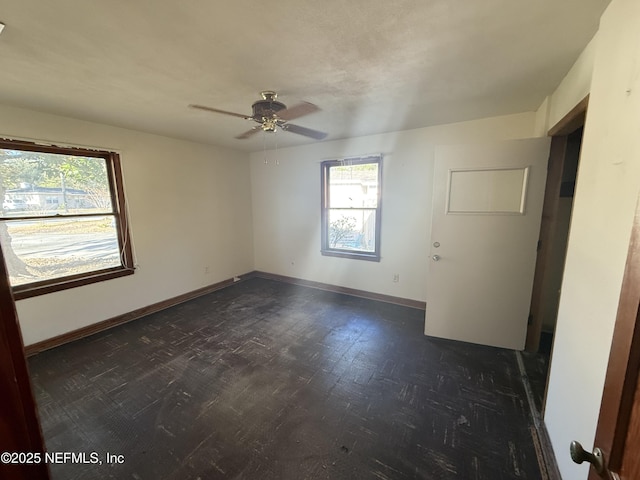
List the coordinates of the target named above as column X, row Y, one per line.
column 351, row 208
column 63, row 221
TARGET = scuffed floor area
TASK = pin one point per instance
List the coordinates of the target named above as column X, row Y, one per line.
column 265, row 380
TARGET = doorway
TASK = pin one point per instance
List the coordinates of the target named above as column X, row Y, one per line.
column 551, row 293
column 562, row 173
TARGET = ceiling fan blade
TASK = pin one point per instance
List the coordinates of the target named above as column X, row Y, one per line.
column 215, row 110
column 307, row 132
column 249, row 133
column 304, row 108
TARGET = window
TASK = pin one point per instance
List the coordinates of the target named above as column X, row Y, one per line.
column 63, row 220
column 351, row 208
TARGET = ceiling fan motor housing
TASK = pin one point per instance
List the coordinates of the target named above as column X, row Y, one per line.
column 264, row 109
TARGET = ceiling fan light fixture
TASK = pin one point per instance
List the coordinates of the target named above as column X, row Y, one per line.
column 269, row 124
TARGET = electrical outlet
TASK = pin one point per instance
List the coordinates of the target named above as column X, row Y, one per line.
column 206, row 270
column 396, row 277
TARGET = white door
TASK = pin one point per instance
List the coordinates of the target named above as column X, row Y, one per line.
column 487, row 204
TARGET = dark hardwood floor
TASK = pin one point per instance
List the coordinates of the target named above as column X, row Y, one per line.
column 265, row 380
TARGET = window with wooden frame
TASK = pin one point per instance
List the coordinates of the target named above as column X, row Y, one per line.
column 63, row 220
column 351, row 197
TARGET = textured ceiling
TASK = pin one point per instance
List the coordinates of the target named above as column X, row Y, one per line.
column 371, row 66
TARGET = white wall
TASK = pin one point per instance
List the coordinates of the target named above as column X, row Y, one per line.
column 190, row 208
column 574, row 87
column 286, row 205
column 606, row 194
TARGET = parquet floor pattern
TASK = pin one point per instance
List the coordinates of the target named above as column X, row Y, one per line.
column 266, row 380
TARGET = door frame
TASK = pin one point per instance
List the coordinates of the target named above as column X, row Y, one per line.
column 559, row 134
column 20, row 427
column 620, row 406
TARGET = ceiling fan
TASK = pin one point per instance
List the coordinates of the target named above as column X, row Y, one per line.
column 270, row 114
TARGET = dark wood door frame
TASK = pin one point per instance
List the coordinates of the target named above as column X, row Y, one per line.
column 548, row 226
column 547, row 235
column 618, row 431
column 19, row 425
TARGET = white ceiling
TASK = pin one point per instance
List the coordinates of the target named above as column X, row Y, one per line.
column 372, row 66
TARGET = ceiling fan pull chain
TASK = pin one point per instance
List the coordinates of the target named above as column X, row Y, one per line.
column 264, row 147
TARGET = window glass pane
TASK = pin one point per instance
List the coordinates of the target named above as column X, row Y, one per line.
column 37, row 250
column 37, row 183
column 352, row 229
column 353, row 186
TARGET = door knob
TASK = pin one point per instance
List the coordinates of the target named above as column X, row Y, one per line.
column 436, row 258
column 579, row 455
